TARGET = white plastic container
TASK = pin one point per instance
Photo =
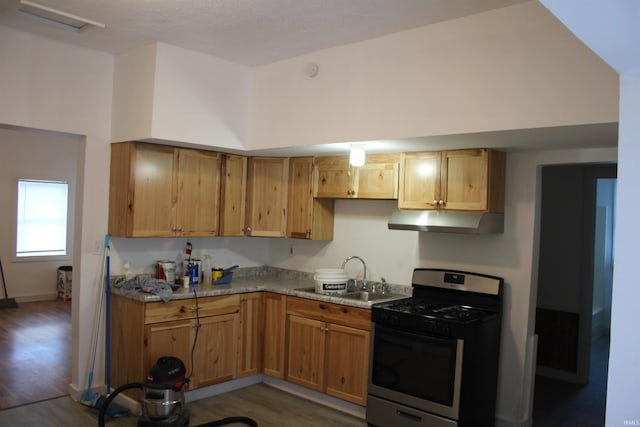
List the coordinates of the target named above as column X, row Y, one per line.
column 331, row 281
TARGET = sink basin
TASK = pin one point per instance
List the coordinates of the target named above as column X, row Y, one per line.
column 366, row 296
column 354, row 295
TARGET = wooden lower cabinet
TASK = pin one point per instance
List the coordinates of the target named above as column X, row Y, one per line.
column 306, row 352
column 328, row 348
column 319, row 345
column 143, row 332
column 215, row 355
column 347, row 363
column 275, row 325
column 169, row 339
column 251, row 334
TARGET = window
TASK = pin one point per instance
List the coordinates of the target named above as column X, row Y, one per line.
column 42, row 218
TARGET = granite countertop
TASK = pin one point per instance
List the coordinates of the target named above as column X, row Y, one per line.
column 267, row 279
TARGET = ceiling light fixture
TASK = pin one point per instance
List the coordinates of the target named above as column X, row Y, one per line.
column 356, row 156
column 64, row 19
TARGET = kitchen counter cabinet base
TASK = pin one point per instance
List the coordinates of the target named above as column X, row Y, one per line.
column 328, row 348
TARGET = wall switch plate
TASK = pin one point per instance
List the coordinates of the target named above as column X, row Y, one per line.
column 97, row 247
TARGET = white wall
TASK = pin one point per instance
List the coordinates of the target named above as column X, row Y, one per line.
column 624, row 374
column 55, row 87
column 133, row 89
column 43, row 156
column 200, row 99
column 511, row 68
column 163, row 92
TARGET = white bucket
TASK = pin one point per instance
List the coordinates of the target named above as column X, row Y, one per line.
column 331, row 281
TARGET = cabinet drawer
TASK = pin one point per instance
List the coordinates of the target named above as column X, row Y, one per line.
column 327, row 312
column 186, row 308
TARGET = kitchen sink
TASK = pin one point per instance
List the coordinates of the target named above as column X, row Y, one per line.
column 354, row 295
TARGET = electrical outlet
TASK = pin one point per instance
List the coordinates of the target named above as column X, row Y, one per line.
column 97, row 247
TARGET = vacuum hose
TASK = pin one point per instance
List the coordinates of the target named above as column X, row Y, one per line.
column 224, row 421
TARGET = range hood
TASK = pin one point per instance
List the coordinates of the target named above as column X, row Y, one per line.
column 448, row 221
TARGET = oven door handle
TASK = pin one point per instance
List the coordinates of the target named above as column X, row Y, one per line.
column 409, row 416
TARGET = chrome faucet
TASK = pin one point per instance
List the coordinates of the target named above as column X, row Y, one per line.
column 364, row 277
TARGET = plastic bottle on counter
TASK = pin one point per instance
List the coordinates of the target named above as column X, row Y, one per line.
column 206, row 270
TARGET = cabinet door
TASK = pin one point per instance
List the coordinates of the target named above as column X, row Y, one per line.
column 419, row 180
column 308, row 217
column 274, row 334
column 347, row 363
column 154, row 185
column 268, row 183
column 306, row 352
column 251, row 324
column 300, row 215
column 233, row 196
column 198, row 195
column 377, row 181
column 332, row 177
column 168, row 339
column 465, row 179
column 215, row 356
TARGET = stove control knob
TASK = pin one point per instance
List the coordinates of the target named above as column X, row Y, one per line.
column 394, row 319
column 384, row 317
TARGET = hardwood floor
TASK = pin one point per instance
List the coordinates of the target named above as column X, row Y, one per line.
column 35, row 352
column 563, row 404
column 269, row 407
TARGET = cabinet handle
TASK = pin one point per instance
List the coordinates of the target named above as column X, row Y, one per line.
column 248, row 229
column 174, row 229
column 194, row 308
column 323, row 329
column 435, row 202
column 441, row 202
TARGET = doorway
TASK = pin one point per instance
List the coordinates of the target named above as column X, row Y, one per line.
column 574, row 293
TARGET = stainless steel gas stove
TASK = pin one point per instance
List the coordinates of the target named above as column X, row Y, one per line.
column 434, row 356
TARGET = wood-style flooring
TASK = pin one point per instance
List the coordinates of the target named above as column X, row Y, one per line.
column 35, row 352
column 269, row 407
column 562, row 404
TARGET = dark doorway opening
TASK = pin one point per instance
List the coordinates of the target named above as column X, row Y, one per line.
column 574, row 288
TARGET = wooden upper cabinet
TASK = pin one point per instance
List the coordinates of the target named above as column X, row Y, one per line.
column 161, row 191
column 198, row 195
column 267, row 191
column 472, row 180
column 377, row 179
column 233, row 195
column 308, row 217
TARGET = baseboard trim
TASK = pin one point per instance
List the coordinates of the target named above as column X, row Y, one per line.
column 121, row 399
column 225, row 387
column 314, row 396
column 36, row 298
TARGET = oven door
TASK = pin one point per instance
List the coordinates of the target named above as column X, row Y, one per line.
column 416, row 369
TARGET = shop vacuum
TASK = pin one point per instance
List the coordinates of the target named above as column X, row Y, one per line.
column 163, row 400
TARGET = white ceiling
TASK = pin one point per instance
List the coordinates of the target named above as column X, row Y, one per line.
column 250, row 32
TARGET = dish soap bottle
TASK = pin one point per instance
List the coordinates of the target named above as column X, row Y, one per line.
column 206, row 270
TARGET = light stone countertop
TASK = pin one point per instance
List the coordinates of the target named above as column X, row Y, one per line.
column 266, row 279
